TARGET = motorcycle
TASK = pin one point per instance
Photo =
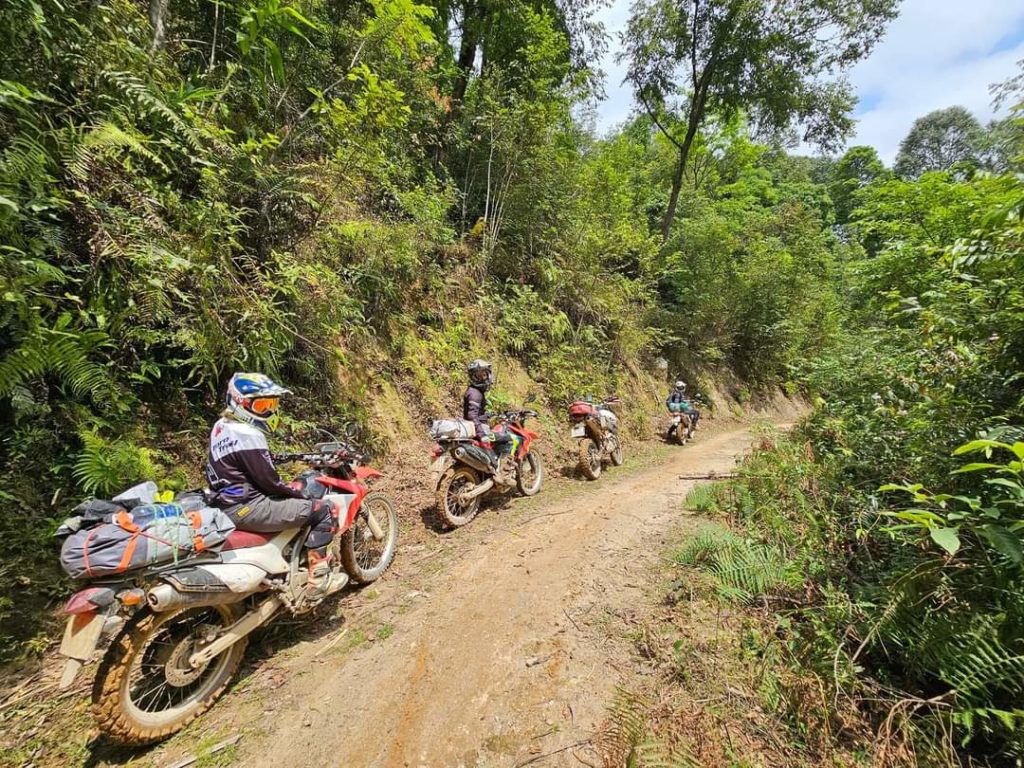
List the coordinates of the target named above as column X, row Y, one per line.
column 682, row 426
column 596, row 428
column 180, row 628
column 465, row 469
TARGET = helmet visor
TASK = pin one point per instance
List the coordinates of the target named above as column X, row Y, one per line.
column 264, row 406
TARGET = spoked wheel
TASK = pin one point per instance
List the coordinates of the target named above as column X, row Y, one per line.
column 366, row 558
column 145, row 689
column 530, row 474
column 590, row 459
column 675, row 435
column 616, row 453
column 452, row 510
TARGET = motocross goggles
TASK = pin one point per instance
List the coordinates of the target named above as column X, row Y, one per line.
column 264, row 406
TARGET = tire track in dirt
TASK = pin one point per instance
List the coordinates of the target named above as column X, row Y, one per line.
column 505, row 658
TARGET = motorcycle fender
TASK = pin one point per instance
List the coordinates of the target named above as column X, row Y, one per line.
column 439, row 466
column 82, row 635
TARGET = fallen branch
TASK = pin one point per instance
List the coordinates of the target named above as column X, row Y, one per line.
column 331, row 644
column 30, row 695
column 566, row 748
column 709, row 476
column 192, row 759
column 570, row 618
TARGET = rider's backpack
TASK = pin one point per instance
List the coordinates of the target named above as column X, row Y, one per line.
column 148, row 535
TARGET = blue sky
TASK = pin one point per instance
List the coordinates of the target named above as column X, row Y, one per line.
column 936, row 54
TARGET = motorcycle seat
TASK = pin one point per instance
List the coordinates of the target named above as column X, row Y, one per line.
column 241, row 539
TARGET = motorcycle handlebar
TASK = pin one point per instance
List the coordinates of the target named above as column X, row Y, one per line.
column 337, row 453
column 513, row 415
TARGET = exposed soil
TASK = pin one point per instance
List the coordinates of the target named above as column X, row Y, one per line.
column 499, row 644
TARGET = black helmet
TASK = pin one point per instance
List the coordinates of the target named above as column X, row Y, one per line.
column 480, row 374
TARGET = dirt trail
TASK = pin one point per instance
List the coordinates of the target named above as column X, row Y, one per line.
column 501, row 657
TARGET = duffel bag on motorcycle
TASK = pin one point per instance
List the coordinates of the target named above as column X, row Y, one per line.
column 609, row 420
column 452, row 429
column 148, row 535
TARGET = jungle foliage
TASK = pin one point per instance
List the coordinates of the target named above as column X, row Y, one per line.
column 900, row 500
column 356, row 197
column 352, row 197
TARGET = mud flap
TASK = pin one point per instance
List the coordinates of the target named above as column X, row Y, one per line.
column 437, row 469
column 81, row 636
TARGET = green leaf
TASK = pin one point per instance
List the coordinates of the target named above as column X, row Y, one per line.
column 980, row 445
column 274, row 55
column 947, row 538
column 976, row 467
column 1004, row 542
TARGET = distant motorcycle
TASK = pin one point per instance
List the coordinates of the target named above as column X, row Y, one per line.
column 596, row 429
column 180, row 627
column 465, row 469
column 680, row 429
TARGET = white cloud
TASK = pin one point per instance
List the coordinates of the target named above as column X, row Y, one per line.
column 936, row 54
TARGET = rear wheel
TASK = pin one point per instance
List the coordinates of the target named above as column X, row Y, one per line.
column 616, row 452
column 530, row 474
column 456, row 481
column 590, row 459
column 145, row 689
column 364, row 557
column 675, row 434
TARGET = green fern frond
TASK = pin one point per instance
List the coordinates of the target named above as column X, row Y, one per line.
column 61, row 353
column 152, row 105
column 104, row 141
column 104, row 467
column 703, row 497
column 743, row 569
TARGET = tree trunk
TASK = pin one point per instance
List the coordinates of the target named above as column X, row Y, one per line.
column 470, row 40
column 157, row 11
column 677, row 178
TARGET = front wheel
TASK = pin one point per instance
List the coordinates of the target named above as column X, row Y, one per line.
column 530, row 474
column 452, row 510
column 590, row 459
column 364, row 557
column 145, row 689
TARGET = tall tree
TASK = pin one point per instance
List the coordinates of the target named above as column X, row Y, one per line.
column 776, row 60
column 852, row 172
column 940, row 140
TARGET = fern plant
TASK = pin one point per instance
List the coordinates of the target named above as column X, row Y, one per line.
column 743, row 569
column 105, row 467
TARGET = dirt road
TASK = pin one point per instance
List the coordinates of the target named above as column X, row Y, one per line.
column 501, row 656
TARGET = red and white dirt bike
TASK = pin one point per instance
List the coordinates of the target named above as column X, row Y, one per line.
column 181, row 628
column 596, row 428
column 465, row 469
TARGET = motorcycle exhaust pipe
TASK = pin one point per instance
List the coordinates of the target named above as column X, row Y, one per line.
column 463, row 455
column 481, row 489
column 164, row 597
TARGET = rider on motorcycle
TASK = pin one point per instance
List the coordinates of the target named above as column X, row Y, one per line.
column 474, row 409
column 474, row 401
column 243, row 480
column 679, row 397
